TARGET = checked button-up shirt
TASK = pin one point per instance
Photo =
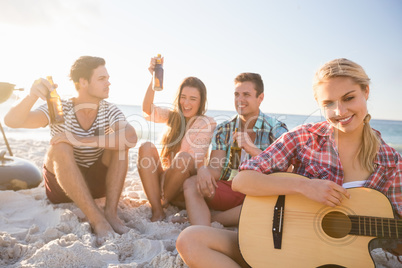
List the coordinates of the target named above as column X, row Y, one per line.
column 311, row 149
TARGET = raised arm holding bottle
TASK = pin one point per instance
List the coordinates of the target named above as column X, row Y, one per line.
column 183, row 147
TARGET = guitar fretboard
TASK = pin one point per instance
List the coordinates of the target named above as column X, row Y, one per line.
column 376, row 226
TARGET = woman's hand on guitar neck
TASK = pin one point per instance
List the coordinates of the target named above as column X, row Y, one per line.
column 324, row 191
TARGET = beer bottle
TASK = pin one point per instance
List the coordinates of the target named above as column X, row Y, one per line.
column 235, row 157
column 54, row 105
column 158, row 74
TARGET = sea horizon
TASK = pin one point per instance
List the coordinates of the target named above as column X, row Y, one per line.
column 267, row 112
column 391, row 130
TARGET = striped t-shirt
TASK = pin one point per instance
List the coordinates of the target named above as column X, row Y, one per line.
column 108, row 114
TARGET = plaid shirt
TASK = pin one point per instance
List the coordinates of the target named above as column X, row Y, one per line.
column 312, row 151
column 267, row 130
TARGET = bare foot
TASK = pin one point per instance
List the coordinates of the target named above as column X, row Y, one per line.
column 117, row 225
column 103, row 231
column 158, row 215
column 100, row 240
column 179, row 219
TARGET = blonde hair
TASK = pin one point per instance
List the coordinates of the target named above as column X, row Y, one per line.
column 171, row 139
column 347, row 68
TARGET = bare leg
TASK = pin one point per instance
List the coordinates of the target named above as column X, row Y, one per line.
column 203, row 246
column 60, row 161
column 182, row 168
column 229, row 217
column 150, row 170
column 197, row 209
column 117, row 162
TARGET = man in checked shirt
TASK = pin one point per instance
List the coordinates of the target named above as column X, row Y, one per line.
column 211, row 187
column 341, row 152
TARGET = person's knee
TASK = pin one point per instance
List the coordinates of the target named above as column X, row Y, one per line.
column 58, row 153
column 186, row 242
column 182, row 242
column 145, row 148
column 59, row 150
column 147, row 156
column 183, row 161
column 190, row 185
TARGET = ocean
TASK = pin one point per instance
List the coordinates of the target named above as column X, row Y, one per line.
column 391, row 130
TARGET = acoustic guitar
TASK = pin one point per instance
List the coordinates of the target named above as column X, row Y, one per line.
column 294, row 231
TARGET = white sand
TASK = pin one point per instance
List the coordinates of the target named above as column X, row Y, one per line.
column 36, row 233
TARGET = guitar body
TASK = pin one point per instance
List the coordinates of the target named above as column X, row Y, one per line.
column 306, row 240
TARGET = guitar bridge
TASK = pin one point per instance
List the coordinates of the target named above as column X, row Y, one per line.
column 277, row 224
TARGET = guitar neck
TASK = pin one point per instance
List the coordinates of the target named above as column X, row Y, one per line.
column 375, row 226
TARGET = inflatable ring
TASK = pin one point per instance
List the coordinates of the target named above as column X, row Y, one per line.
column 17, row 173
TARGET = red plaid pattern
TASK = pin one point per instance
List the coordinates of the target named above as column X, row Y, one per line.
column 312, row 151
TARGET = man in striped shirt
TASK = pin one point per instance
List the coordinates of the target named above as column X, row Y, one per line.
column 88, row 153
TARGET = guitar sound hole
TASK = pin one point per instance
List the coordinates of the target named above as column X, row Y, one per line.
column 336, row 224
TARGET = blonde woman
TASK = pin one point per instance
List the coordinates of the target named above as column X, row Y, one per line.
column 184, row 144
column 343, row 150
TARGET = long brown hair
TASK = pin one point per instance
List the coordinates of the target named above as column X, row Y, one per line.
column 171, row 139
column 347, row 68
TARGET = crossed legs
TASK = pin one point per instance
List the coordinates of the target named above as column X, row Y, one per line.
column 61, row 162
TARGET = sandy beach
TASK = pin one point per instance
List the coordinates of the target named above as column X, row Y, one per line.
column 36, row 233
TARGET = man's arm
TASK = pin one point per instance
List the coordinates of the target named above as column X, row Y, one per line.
column 208, row 175
column 21, row 116
column 244, row 141
column 124, row 137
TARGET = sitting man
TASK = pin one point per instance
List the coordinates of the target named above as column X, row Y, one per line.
column 88, row 153
column 211, row 187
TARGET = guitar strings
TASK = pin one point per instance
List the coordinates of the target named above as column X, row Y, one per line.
column 356, row 224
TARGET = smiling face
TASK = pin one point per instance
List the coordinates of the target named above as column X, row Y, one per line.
column 343, row 102
column 190, row 100
column 246, row 101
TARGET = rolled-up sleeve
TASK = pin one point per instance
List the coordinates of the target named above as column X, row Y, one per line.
column 275, row 158
column 158, row 114
column 279, row 129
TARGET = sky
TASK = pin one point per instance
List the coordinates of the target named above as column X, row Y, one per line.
column 214, row 40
